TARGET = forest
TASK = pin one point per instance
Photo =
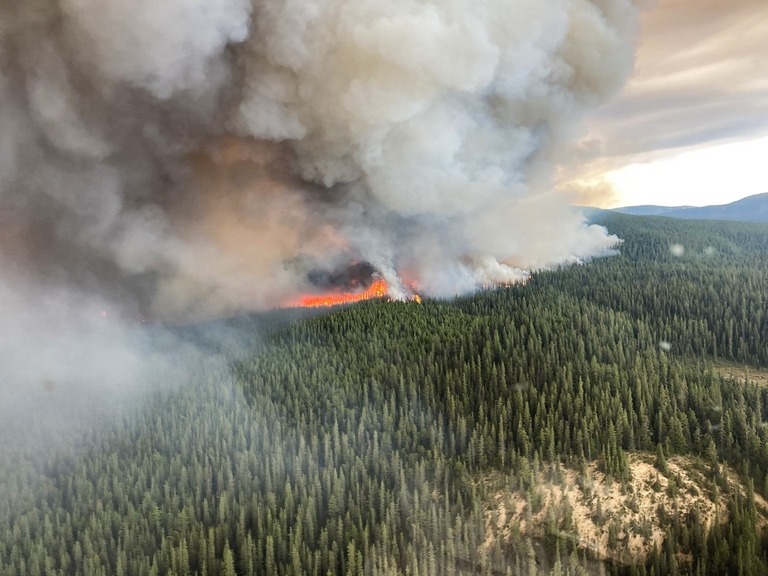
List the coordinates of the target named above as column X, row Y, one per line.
column 360, row 441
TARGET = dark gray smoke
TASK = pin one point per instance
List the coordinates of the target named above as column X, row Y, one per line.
column 352, row 276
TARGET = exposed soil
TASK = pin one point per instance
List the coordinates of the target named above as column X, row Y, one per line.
column 754, row 374
column 586, row 506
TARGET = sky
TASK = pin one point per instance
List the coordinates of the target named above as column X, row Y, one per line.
column 691, row 125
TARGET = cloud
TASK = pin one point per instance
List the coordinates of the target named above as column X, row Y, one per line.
column 697, row 83
column 697, row 79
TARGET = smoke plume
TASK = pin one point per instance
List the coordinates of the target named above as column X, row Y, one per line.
column 192, row 158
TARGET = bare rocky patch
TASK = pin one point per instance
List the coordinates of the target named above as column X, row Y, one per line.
column 613, row 521
column 743, row 373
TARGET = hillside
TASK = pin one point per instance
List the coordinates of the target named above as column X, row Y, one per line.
column 750, row 209
column 615, row 522
column 383, row 437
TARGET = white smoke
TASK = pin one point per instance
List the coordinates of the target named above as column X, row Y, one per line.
column 180, row 157
column 436, row 117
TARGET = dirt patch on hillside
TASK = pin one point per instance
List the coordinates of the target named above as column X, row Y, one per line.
column 620, row 522
column 740, row 372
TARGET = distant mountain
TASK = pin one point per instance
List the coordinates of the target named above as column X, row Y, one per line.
column 651, row 210
column 749, row 209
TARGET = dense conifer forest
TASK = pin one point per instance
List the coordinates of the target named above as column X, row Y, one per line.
column 357, row 441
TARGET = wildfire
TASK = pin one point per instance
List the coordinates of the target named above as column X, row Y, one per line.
column 377, row 289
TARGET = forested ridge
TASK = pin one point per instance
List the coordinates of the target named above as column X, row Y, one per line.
column 355, row 442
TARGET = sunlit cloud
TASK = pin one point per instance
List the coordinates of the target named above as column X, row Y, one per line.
column 699, row 82
column 708, row 175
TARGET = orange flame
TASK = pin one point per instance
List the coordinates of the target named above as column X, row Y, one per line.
column 378, row 289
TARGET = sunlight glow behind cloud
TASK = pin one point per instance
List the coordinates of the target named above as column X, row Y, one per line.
column 698, row 177
column 690, row 126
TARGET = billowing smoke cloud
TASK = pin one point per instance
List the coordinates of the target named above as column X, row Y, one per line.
column 188, row 158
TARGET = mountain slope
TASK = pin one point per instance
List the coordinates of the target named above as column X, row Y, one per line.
column 620, row 522
column 510, row 431
column 750, row 209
